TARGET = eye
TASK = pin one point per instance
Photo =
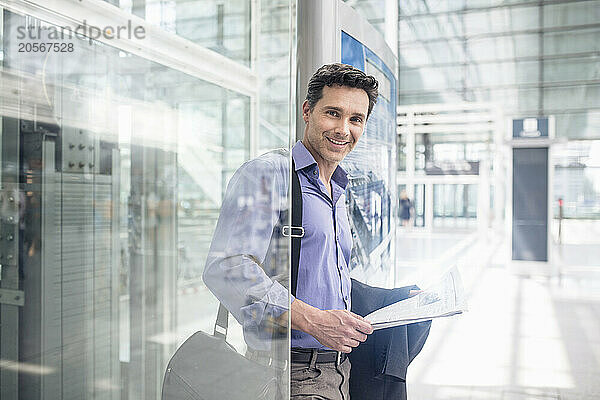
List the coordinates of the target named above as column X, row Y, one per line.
column 356, row 119
column 333, row 113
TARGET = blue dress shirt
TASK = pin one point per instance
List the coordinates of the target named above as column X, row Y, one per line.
column 241, row 268
column 323, row 275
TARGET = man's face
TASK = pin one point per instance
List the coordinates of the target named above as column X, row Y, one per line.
column 336, row 122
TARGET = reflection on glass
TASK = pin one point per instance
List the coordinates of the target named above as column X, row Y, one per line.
column 223, row 27
column 114, row 170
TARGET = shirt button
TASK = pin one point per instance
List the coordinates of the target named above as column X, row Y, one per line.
column 345, row 297
column 314, row 172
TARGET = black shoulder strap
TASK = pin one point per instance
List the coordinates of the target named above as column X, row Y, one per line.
column 296, row 222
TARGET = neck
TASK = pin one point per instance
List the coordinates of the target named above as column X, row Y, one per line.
column 326, row 168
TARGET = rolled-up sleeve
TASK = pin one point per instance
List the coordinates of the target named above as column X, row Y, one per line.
column 235, row 266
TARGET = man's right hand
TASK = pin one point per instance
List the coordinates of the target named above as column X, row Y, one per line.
column 340, row 330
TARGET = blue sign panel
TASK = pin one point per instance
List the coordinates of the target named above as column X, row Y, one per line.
column 530, row 127
column 371, row 165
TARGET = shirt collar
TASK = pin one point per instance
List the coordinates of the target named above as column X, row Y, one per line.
column 303, row 159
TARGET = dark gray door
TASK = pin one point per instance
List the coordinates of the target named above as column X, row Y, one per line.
column 530, row 204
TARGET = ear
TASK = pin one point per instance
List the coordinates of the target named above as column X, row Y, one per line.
column 305, row 110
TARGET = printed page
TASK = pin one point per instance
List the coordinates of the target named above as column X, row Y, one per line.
column 443, row 299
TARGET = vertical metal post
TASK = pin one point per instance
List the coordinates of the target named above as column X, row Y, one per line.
column 410, row 153
column 153, row 247
column 138, row 276
column 115, row 262
column 9, row 250
column 9, row 313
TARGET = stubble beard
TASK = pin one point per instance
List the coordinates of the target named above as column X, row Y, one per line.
column 331, row 156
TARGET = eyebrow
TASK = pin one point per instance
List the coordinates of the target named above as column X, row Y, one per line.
column 358, row 114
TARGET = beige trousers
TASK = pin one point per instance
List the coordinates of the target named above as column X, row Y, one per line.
column 324, row 381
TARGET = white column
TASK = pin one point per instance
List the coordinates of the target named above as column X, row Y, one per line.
column 391, row 25
column 254, row 103
column 429, row 206
column 500, row 177
column 410, row 154
column 483, row 198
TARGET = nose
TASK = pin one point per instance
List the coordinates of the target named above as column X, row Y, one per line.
column 345, row 127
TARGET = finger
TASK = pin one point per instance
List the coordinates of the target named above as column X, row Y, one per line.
column 364, row 327
column 352, row 342
column 357, row 335
column 345, row 349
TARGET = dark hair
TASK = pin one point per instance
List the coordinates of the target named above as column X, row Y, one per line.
column 343, row 75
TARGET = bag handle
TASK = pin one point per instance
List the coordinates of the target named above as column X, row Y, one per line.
column 221, row 323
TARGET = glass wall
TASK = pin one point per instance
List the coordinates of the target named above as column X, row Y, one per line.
column 454, row 205
column 223, row 27
column 577, row 179
column 533, row 59
column 115, row 167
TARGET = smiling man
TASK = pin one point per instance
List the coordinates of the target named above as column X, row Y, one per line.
column 339, row 100
column 240, row 269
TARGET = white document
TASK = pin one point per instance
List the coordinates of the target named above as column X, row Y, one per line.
column 443, row 299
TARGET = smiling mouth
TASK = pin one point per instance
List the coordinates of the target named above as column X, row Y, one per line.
column 337, row 142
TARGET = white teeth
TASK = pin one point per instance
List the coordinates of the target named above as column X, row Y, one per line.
column 336, row 141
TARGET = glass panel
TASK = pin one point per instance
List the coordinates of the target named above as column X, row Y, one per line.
column 577, row 179
column 471, row 203
column 274, row 78
column 421, row 97
column 448, row 151
column 372, row 10
column 428, row 27
column 115, row 171
column 578, row 13
column 221, row 26
column 571, row 69
column 578, row 124
column 503, row 47
column 441, row 78
column 401, row 152
column 405, row 32
column 514, row 98
column 501, row 20
column 455, row 205
column 425, row 54
column 571, row 42
column 572, row 98
column 504, row 73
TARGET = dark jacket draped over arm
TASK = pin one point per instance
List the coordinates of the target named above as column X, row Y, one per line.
column 379, row 364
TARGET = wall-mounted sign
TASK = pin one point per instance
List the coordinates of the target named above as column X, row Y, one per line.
column 530, row 127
